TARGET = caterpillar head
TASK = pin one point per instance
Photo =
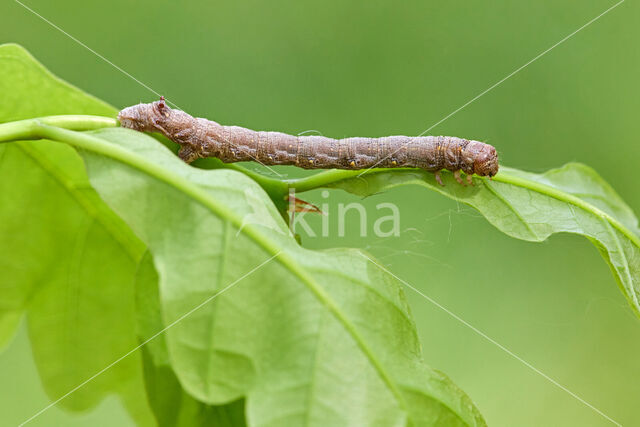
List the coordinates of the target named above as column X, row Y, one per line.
column 144, row 117
column 485, row 162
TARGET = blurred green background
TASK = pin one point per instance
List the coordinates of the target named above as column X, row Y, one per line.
column 348, row 68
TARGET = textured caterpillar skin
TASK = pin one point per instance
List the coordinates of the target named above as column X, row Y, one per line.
column 205, row 138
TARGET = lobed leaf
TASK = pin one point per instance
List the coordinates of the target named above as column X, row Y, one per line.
column 312, row 337
column 65, row 258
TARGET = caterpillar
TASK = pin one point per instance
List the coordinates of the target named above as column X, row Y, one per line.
column 200, row 137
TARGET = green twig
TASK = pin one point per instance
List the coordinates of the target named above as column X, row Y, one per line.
column 324, row 179
column 24, row 129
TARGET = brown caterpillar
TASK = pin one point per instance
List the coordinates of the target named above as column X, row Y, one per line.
column 205, row 138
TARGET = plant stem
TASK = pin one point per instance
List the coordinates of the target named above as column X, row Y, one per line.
column 275, row 188
column 324, row 179
column 24, row 129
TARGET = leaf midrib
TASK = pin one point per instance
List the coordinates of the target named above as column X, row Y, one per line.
column 568, row 198
column 214, row 314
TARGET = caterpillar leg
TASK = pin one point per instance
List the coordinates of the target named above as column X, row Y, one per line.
column 438, row 178
column 456, row 175
column 470, row 179
column 187, row 154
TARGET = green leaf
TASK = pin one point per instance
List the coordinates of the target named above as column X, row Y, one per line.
column 310, row 337
column 65, row 257
column 30, row 90
column 171, row 405
column 571, row 199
